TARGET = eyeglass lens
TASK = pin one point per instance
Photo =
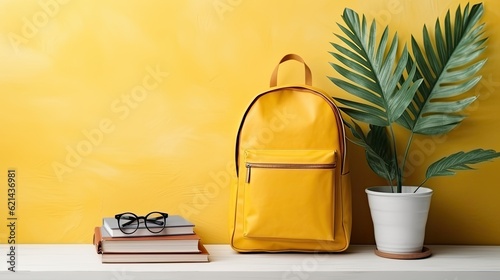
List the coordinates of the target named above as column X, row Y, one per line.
column 155, row 222
column 128, row 223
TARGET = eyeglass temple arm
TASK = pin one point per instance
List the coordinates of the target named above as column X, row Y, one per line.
column 154, row 220
column 133, row 219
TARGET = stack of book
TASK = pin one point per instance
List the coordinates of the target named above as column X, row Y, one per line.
column 177, row 242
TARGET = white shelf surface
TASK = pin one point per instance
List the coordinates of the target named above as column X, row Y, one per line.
column 80, row 261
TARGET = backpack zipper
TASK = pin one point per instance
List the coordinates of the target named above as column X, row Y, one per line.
column 251, row 165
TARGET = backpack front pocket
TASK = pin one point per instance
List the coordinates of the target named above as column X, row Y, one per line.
column 289, row 194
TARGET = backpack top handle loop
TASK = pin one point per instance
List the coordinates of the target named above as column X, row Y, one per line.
column 308, row 74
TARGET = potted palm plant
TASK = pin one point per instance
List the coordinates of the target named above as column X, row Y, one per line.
column 422, row 91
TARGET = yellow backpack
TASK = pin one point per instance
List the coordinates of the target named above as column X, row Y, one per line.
column 293, row 190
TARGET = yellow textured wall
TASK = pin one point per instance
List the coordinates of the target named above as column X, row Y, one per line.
column 111, row 106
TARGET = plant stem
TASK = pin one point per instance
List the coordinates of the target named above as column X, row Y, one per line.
column 421, row 184
column 407, row 150
column 395, row 153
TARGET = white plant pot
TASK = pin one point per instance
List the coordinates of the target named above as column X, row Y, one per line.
column 399, row 219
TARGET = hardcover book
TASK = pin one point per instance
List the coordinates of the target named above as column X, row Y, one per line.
column 203, row 256
column 104, row 243
column 176, row 225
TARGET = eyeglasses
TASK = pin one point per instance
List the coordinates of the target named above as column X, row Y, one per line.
column 129, row 222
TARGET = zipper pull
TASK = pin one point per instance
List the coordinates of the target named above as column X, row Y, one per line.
column 249, row 167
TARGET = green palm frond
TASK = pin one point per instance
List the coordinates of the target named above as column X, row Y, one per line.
column 377, row 147
column 372, row 72
column 449, row 68
column 459, row 161
column 381, row 160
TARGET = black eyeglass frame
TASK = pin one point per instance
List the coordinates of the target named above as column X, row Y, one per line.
column 137, row 219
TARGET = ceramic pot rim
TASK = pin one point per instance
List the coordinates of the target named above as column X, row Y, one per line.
column 407, row 191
